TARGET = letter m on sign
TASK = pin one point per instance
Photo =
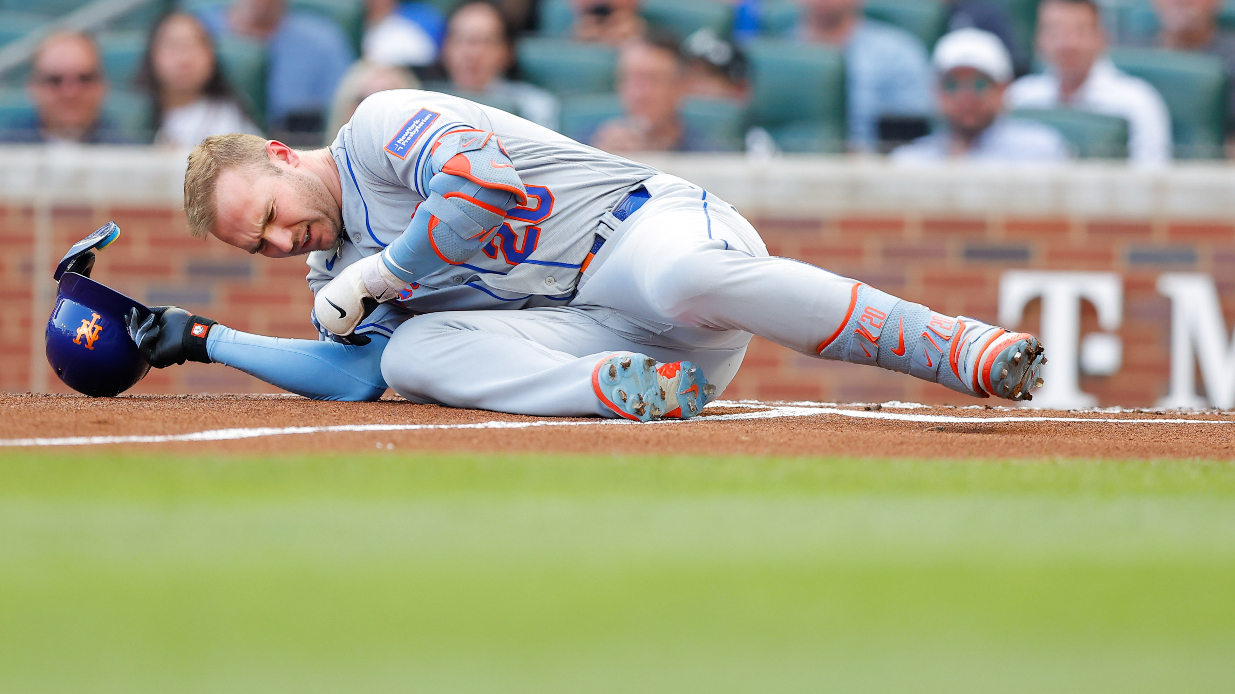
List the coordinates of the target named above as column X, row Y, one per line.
column 1198, row 338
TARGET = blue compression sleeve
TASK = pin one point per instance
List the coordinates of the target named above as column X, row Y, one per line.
column 314, row 369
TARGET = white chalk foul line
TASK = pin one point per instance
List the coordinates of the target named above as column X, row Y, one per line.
column 763, row 412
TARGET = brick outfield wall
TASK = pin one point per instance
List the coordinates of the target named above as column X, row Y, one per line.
column 951, row 264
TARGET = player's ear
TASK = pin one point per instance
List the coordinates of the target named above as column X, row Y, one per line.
column 280, row 152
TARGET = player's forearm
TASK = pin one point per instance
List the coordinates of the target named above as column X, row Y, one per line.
column 314, row 369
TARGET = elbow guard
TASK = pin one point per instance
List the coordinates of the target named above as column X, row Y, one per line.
column 475, row 184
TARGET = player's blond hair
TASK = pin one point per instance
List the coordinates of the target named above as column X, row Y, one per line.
column 212, row 157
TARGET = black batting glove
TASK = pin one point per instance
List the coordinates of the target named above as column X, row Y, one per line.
column 170, row 335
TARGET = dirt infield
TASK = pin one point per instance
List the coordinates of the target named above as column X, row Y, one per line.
column 257, row 424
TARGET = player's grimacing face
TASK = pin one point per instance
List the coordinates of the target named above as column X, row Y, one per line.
column 277, row 216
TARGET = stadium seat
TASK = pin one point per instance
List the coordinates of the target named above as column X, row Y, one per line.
column 348, row 14
column 679, row 17
column 122, row 54
column 14, row 25
column 1023, row 18
column 51, row 8
column 130, row 111
column 244, row 63
column 581, row 115
column 1089, row 134
column 684, row 17
column 922, row 18
column 799, row 94
column 566, row 67
column 926, row 19
column 720, row 121
column 1194, row 86
column 556, row 18
column 15, row 107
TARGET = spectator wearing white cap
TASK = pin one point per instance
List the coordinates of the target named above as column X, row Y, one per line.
column 973, row 70
column 1072, row 43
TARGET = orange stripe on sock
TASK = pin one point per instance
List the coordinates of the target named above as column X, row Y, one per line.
column 853, row 302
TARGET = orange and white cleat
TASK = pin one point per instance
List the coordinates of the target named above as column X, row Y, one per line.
column 637, row 387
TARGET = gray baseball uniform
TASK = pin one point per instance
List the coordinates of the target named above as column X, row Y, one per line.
column 684, row 277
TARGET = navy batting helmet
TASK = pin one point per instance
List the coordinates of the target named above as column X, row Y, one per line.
column 88, row 343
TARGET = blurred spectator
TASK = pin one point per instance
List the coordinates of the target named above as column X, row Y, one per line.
column 401, row 34
column 479, row 50
column 1192, row 25
column 308, row 55
column 974, row 68
column 67, row 88
column 1072, row 44
column 715, row 68
column 651, row 79
column 987, row 16
column 886, row 68
column 614, row 22
column 362, row 81
column 192, row 99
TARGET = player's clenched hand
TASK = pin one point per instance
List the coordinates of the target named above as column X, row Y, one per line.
column 340, row 305
column 170, row 335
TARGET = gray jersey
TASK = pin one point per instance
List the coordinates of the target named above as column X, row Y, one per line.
column 534, row 260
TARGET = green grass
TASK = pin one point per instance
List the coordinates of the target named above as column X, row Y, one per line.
column 445, row 573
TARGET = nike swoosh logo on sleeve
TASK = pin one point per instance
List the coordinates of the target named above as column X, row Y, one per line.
column 900, row 350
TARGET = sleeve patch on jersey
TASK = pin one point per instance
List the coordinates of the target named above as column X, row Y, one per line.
column 411, row 131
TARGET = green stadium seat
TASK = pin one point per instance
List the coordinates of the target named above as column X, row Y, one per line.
column 685, row 17
column 1194, row 86
column 131, row 112
column 721, row 121
column 1023, row 18
column 581, row 115
column 566, row 67
column 679, row 17
column 14, row 25
column 348, row 14
column 925, row 19
column 1090, row 135
column 122, row 54
column 556, row 18
column 244, row 63
column 799, row 94
column 51, row 8
column 15, row 107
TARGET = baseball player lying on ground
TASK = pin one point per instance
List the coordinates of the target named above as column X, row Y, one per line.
column 464, row 256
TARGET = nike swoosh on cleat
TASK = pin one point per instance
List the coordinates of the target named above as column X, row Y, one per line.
column 900, row 351
column 342, row 313
column 499, row 166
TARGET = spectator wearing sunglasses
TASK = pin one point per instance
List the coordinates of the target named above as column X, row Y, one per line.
column 67, row 88
column 973, row 69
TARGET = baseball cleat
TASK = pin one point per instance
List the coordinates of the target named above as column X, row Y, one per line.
column 1010, row 366
column 638, row 387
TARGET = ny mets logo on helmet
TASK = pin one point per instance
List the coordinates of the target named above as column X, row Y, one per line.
column 90, row 330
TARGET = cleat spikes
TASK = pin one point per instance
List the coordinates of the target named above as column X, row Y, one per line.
column 649, row 363
column 612, row 371
column 1016, row 358
column 1028, row 396
column 1038, row 383
column 1043, row 361
column 655, row 412
column 1004, row 373
column 625, row 363
column 690, row 405
column 662, row 394
column 709, row 390
column 622, row 395
column 692, row 371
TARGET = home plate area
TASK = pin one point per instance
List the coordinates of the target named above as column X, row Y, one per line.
column 288, row 424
